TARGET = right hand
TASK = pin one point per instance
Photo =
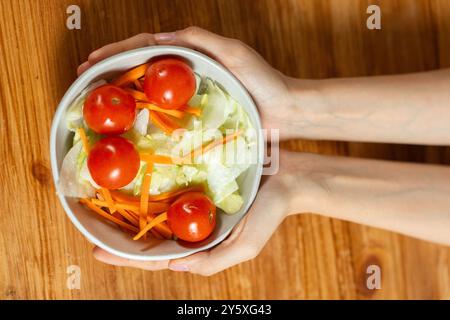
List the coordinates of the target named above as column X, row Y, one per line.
column 266, row 85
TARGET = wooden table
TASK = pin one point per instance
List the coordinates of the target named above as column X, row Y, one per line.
column 309, row 257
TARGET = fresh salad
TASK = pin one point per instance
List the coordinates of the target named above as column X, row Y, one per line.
column 157, row 150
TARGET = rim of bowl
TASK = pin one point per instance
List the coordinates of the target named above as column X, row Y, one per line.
column 103, row 66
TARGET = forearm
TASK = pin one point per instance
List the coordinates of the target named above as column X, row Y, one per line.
column 411, row 199
column 411, row 108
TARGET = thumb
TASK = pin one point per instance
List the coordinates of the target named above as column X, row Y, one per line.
column 224, row 255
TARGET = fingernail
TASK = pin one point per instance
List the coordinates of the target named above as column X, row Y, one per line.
column 166, row 36
column 178, row 267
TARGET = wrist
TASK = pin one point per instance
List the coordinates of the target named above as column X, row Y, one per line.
column 306, row 95
column 310, row 111
column 302, row 179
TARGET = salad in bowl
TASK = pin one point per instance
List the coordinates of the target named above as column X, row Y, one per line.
column 159, row 151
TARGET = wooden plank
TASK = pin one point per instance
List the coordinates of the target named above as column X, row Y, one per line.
column 309, row 256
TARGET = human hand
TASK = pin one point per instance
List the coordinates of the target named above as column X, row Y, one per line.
column 266, row 85
column 244, row 243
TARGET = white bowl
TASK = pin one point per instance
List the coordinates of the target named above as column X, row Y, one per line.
column 109, row 237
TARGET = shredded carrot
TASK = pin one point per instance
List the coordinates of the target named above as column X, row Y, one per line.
column 125, row 206
column 205, row 148
column 174, row 113
column 118, row 216
column 98, row 202
column 163, row 122
column 153, row 207
column 157, row 207
column 132, row 203
column 107, row 197
column 128, row 216
column 106, row 215
column 138, row 95
column 121, row 218
column 134, row 214
column 145, row 189
column 123, row 197
column 84, row 140
column 129, row 211
column 160, row 124
column 160, row 159
column 155, row 201
column 138, row 85
column 163, row 232
column 156, row 234
column 162, row 228
column 168, row 120
column 191, row 110
column 161, row 218
column 131, row 75
column 155, row 158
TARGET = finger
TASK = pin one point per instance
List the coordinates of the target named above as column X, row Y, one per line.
column 193, row 262
column 246, row 240
column 223, row 256
column 83, row 67
column 108, row 258
column 196, row 38
column 137, row 41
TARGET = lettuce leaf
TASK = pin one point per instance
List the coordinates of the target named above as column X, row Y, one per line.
column 231, row 204
column 216, row 106
column 70, row 184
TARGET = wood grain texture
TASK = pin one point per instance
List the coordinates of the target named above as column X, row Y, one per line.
column 309, row 257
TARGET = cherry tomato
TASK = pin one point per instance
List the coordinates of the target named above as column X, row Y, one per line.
column 113, row 162
column 109, row 110
column 192, row 217
column 169, row 83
